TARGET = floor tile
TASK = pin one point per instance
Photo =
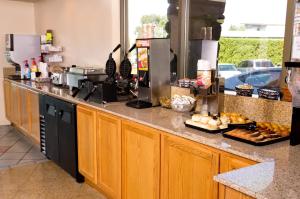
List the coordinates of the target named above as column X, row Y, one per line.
column 6, row 163
column 3, row 133
column 38, row 182
column 12, row 156
column 20, row 146
column 34, row 156
column 8, row 141
column 3, row 149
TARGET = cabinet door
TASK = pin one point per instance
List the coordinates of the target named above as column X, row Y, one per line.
column 25, row 112
column 230, row 162
column 8, row 103
column 109, row 155
column 233, row 194
column 34, row 115
column 140, row 161
column 188, row 169
column 86, row 139
column 51, row 129
column 67, row 136
column 15, row 105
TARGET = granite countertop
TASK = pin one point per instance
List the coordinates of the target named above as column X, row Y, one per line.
column 276, row 176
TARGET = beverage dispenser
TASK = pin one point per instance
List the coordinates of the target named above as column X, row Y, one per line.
column 153, row 72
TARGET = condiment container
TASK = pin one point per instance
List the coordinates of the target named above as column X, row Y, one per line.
column 205, row 73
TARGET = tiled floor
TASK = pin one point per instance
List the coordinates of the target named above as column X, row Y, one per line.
column 42, row 181
column 16, row 149
column 26, row 174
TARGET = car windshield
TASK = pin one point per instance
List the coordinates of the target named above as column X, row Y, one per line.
column 246, row 64
column 227, row 67
column 265, row 64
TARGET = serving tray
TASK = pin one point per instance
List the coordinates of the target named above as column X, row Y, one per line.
column 207, row 130
column 242, row 125
column 259, row 143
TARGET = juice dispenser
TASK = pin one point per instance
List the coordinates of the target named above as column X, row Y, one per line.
column 293, row 81
column 153, row 71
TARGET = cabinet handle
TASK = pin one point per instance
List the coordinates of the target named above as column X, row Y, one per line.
column 60, row 113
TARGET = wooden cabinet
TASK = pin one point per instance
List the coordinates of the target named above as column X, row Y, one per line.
column 24, row 110
column 109, row 155
column 15, row 105
column 231, row 162
column 187, row 170
column 7, row 98
column 86, row 138
column 140, row 161
column 233, row 194
column 34, row 115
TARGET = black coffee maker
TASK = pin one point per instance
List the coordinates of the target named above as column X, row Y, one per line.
column 293, row 81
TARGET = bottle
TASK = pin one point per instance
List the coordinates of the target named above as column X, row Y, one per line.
column 34, row 67
column 49, row 37
column 27, row 70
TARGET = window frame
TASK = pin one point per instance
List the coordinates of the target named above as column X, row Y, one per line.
column 124, row 35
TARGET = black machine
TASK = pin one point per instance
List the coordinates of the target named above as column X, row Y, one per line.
column 114, row 88
column 59, row 134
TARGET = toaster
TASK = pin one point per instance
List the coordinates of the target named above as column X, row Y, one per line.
column 58, row 79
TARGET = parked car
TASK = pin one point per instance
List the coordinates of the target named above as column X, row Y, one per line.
column 228, row 70
column 255, row 64
column 264, row 78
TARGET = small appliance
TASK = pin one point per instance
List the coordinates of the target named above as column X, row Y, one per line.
column 20, row 48
column 59, row 78
column 153, row 66
column 80, row 73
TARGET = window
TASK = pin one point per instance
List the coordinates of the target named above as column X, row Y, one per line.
column 252, row 38
column 146, row 19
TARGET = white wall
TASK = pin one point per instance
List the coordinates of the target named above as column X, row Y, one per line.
column 15, row 17
column 87, row 29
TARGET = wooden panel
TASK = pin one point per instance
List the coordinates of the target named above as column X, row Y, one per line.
column 188, row 169
column 140, row 161
column 109, row 155
column 7, row 95
column 15, row 104
column 86, row 137
column 34, row 115
column 24, row 111
column 231, row 162
column 232, row 194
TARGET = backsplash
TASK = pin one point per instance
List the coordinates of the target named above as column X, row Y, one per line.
column 260, row 110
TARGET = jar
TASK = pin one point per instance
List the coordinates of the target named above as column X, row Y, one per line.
column 205, row 74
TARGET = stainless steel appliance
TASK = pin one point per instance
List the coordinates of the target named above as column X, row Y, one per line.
column 20, row 48
column 153, row 65
column 80, row 73
column 59, row 79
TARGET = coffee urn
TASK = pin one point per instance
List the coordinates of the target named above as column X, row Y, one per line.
column 153, row 66
column 293, row 81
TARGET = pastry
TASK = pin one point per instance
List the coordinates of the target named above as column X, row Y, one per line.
column 196, row 117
